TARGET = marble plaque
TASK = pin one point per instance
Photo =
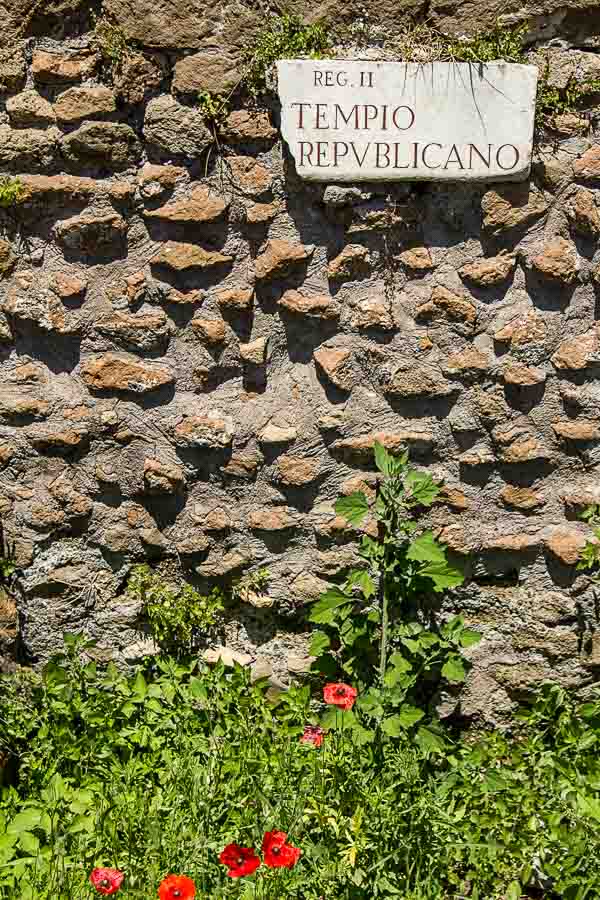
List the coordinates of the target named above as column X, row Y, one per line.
column 354, row 120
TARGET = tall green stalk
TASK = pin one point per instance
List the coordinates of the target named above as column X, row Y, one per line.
column 383, row 600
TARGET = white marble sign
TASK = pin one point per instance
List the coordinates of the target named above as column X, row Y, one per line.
column 354, row 120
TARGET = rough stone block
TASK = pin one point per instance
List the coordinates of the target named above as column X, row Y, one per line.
column 30, row 110
column 208, row 70
column 78, row 103
column 113, row 372
column 174, row 129
column 58, row 68
column 102, row 144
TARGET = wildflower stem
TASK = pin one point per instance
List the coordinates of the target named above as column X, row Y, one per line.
column 383, row 600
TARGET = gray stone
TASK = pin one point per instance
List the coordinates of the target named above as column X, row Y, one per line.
column 92, row 233
column 211, row 71
column 175, row 130
column 79, row 103
column 13, row 69
column 30, row 109
column 103, row 144
column 27, row 149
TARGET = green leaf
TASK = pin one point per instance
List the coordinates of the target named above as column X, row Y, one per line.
column 409, row 716
column 338, row 719
column 494, row 781
column 326, row 665
column 370, row 703
column 362, row 736
column 81, row 824
column 469, row 637
column 589, row 806
column 318, row 643
column 454, row 670
column 406, row 718
column 430, row 740
column 352, row 630
column 383, row 459
column 385, row 884
column 83, row 801
column 413, row 645
column 353, row 508
column 423, row 488
column 198, row 689
column 398, row 661
column 7, row 843
column 55, row 790
column 322, row 610
column 443, row 575
column 29, row 843
column 397, row 669
column 425, row 548
column 365, row 583
column 139, row 686
column 392, row 726
column 514, row 891
column 249, row 891
column 25, row 821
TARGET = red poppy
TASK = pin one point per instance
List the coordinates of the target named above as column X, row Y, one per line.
column 312, row 735
column 277, row 853
column 341, row 695
column 177, row 887
column 240, row 860
column 107, row 881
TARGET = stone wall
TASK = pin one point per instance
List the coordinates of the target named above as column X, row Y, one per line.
column 198, row 350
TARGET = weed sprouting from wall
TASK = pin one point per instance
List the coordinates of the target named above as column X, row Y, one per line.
column 286, row 37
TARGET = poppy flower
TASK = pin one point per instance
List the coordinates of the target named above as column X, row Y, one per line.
column 177, row 887
column 107, row 881
column 312, row 735
column 240, row 860
column 277, row 853
column 341, row 695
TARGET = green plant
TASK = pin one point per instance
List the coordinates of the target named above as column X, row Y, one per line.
column 421, row 44
column 516, row 806
column 112, row 43
column 12, row 192
column 500, row 43
column 214, row 107
column 552, row 100
column 254, row 584
column 284, row 37
column 8, row 565
column 589, row 558
column 158, row 770
column 176, row 612
column 380, row 627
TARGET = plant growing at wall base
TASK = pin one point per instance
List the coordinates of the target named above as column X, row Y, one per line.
column 380, row 626
column 175, row 611
column 159, row 769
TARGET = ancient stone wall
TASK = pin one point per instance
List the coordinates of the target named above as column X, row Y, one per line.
column 198, row 350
